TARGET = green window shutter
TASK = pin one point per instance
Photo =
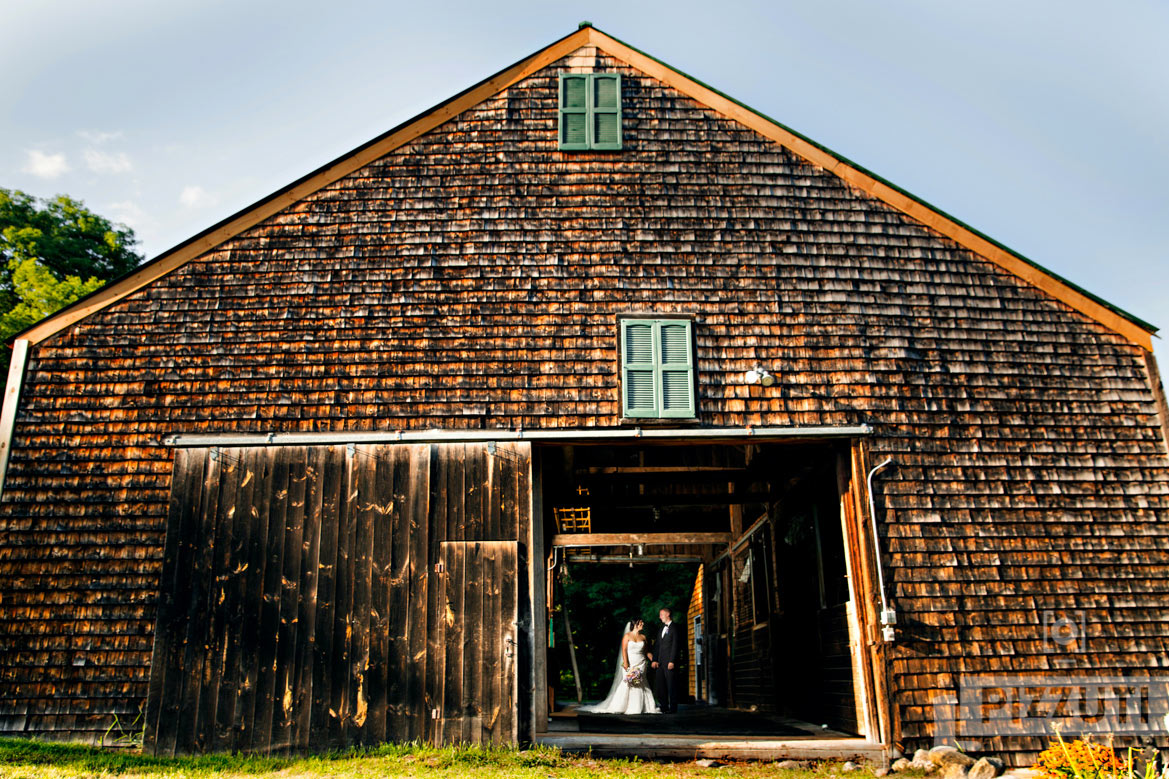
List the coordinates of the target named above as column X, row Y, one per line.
column 639, row 378
column 657, row 358
column 590, row 111
column 574, row 112
column 605, row 111
column 676, row 368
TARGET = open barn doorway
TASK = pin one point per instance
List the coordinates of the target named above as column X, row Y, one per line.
column 746, row 543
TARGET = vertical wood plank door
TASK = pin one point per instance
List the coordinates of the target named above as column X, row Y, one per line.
column 480, row 620
column 322, row 597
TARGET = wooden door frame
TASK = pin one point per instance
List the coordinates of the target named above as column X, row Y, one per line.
column 870, row 677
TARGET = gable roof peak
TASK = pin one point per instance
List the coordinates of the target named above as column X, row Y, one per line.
column 1134, row 329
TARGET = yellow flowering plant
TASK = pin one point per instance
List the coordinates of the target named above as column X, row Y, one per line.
column 1081, row 759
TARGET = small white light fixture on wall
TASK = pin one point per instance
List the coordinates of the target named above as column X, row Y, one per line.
column 759, row 375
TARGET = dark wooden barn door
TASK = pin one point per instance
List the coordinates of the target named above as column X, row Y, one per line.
column 320, row 597
column 479, row 633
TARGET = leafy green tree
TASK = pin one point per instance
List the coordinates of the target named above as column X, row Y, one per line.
column 53, row 252
column 600, row 599
column 40, row 294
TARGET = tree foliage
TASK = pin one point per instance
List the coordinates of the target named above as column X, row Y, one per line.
column 53, row 252
column 601, row 598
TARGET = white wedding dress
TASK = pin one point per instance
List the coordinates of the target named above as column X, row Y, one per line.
column 622, row 698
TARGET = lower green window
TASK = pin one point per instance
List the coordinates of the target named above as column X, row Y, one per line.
column 657, row 369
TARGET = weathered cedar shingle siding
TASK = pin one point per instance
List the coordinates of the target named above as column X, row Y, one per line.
column 472, row 279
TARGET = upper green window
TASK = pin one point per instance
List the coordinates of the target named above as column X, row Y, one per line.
column 657, row 368
column 590, row 111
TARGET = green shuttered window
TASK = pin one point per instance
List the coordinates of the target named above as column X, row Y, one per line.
column 657, row 368
column 590, row 111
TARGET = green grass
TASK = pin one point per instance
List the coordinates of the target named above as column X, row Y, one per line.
column 23, row 759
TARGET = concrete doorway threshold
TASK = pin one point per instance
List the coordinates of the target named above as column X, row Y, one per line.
column 732, row 735
column 718, row 747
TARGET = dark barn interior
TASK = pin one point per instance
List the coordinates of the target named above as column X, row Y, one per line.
column 767, row 621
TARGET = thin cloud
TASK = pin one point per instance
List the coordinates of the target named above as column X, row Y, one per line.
column 107, row 162
column 128, row 213
column 194, row 196
column 99, row 137
column 45, row 166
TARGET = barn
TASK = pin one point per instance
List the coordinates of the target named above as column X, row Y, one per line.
column 307, row 479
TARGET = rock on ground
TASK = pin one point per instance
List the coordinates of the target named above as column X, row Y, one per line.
column 791, row 765
column 901, row 764
column 954, row 771
column 945, row 759
column 940, row 750
column 921, row 761
column 983, row 769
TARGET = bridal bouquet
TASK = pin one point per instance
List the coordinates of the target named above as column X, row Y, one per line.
column 634, row 677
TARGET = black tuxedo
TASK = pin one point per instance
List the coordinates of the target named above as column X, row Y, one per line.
column 668, row 649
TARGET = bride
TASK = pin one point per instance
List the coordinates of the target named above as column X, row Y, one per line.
column 630, row 693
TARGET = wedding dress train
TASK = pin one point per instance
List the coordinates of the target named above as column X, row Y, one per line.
column 625, row 697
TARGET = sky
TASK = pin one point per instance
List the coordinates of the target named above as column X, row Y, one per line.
column 1042, row 124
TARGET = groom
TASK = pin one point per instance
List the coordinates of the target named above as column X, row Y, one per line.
column 666, row 659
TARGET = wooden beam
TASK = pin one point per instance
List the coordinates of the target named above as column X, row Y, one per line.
column 662, row 501
column 637, row 470
column 11, row 403
column 625, row 559
column 647, row 539
column 736, row 510
column 743, row 537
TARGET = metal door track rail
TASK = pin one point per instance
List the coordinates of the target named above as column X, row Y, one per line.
column 468, row 436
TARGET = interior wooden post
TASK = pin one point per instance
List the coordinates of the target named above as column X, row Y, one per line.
column 537, row 588
column 736, row 510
